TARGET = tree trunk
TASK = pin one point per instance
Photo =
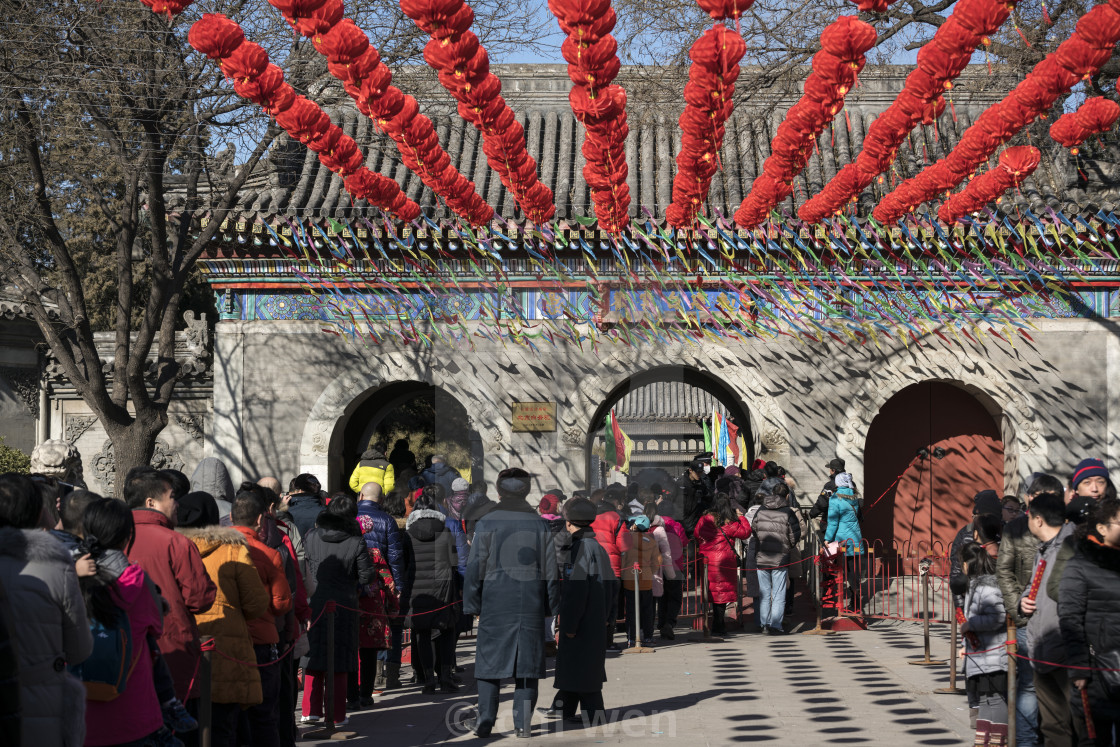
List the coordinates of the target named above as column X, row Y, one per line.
column 133, row 446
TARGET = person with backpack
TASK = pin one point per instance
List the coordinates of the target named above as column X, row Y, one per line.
column 430, row 611
column 776, row 532
column 176, row 718
column 985, row 633
column 639, row 553
column 53, row 630
column 122, row 706
column 241, row 597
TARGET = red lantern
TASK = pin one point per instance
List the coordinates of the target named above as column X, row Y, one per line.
column 343, row 43
column 982, row 17
column 1100, row 27
column 724, row 9
column 215, row 36
column 848, row 38
column 318, row 20
column 246, row 62
column 1098, row 114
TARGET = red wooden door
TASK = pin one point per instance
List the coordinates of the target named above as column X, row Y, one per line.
column 932, row 499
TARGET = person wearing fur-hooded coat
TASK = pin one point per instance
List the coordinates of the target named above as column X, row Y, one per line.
column 38, row 576
column 241, row 597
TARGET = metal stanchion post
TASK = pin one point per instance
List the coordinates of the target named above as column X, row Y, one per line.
column 637, row 648
column 205, row 674
column 952, row 689
column 923, row 571
column 328, row 731
column 1012, row 689
column 819, row 629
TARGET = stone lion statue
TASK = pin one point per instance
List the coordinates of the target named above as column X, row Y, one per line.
column 58, row 459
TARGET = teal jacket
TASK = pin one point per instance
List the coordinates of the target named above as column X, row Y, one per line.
column 843, row 524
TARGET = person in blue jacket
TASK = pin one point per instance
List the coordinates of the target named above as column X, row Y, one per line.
column 843, row 527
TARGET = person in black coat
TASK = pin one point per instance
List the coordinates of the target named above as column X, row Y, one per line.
column 430, row 611
column 586, row 594
column 337, row 564
column 1089, row 613
column 512, row 584
column 696, row 496
column 302, row 504
column 820, row 507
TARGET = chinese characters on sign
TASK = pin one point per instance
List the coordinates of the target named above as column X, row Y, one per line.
column 534, row 416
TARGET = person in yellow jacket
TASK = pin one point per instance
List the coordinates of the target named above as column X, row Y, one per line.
column 639, row 549
column 373, row 467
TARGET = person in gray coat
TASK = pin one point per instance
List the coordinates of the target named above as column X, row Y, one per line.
column 512, row 584
column 776, row 531
column 38, row 575
column 211, row 476
column 1048, row 524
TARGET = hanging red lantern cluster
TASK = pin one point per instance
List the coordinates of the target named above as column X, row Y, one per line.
column 708, row 96
column 1077, row 58
column 921, row 101
column 464, row 70
column 1015, row 165
column 1093, row 117
column 352, row 60
column 254, row 78
column 167, row 8
column 835, row 67
column 598, row 104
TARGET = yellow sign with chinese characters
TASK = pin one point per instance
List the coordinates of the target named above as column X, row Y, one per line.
column 534, row 416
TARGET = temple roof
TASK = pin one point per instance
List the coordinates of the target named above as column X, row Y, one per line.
column 294, row 183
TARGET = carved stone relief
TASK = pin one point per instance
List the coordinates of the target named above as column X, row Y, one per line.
column 76, row 425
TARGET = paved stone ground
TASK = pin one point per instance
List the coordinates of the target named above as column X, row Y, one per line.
column 850, row 688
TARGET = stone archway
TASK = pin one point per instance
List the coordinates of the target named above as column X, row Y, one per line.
column 321, row 441
column 768, row 423
column 1016, row 412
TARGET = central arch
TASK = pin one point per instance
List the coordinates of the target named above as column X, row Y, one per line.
column 690, row 377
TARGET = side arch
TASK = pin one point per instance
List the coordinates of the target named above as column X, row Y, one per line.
column 1014, row 409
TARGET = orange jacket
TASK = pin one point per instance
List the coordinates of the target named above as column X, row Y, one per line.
column 640, row 548
column 271, row 570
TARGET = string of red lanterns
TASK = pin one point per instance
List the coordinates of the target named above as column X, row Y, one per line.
column 708, row 96
column 368, row 81
column 921, row 100
column 1077, row 58
column 1015, row 165
column 835, row 68
column 1094, row 116
column 256, row 79
column 598, row 104
column 464, row 70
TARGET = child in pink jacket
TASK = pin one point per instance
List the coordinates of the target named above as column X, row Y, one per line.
column 135, row 714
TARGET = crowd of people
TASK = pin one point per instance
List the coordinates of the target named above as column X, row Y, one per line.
column 1047, row 571
column 124, row 596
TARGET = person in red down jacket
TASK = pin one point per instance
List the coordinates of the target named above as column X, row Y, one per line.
column 175, row 566
column 607, row 527
column 716, row 531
